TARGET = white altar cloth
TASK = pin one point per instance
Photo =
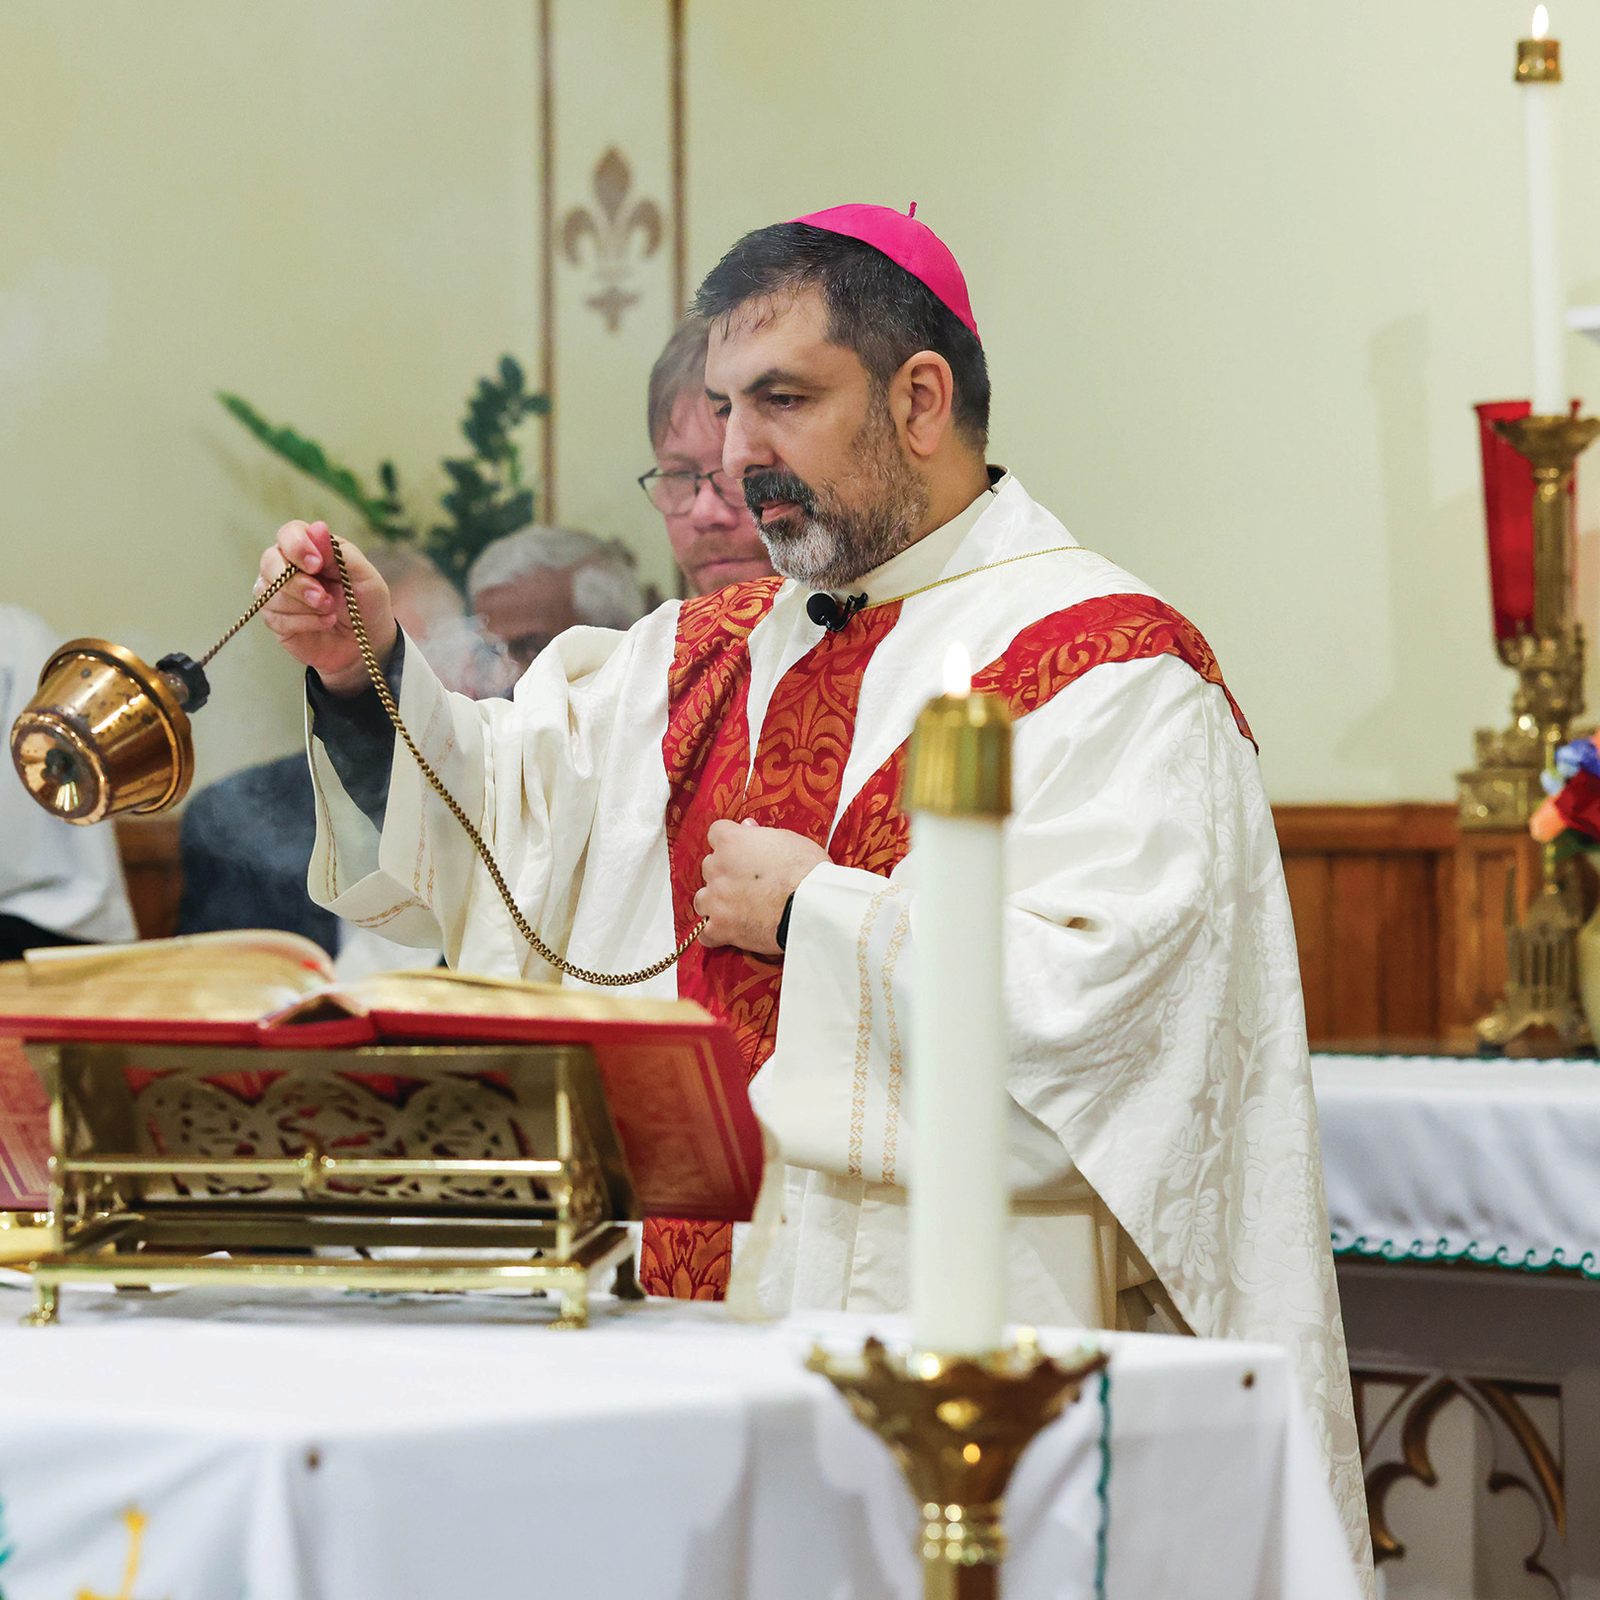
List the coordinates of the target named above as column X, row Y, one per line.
column 1441, row 1159
column 287, row 1448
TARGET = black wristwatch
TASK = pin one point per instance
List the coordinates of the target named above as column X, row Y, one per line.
column 783, row 923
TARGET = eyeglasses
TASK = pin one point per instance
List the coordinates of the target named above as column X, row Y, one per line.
column 673, row 493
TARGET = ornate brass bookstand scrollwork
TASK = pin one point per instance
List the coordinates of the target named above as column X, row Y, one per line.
column 958, row 1426
column 497, row 1167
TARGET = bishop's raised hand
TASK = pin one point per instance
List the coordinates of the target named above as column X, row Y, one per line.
column 309, row 614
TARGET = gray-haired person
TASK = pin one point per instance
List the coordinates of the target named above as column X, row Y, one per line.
column 529, row 586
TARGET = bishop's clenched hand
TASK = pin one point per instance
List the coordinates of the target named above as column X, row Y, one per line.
column 749, row 874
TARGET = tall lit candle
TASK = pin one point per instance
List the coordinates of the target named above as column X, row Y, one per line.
column 1539, row 74
column 958, row 790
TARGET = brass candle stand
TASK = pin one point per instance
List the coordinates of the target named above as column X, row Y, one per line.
column 1502, row 791
column 958, row 1426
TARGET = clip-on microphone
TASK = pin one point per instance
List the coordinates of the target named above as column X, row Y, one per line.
column 828, row 613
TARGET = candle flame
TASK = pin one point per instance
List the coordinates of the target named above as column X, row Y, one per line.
column 957, row 671
column 1541, row 21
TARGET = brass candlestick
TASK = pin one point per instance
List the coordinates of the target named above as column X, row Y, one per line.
column 1538, row 61
column 1503, row 790
column 1541, row 963
column 959, row 762
column 958, row 1426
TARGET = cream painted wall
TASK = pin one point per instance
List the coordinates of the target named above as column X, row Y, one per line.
column 1241, row 270
column 611, row 95
column 328, row 205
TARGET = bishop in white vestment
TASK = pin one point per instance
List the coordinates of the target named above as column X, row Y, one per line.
column 1158, row 1050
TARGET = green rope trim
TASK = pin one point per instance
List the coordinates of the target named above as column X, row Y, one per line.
column 1474, row 1253
column 7, row 1549
column 1103, row 1487
column 1335, row 1052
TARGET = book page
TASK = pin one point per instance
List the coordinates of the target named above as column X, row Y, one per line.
column 233, row 976
column 447, row 993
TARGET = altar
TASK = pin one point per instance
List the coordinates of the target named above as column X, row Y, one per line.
column 204, row 1443
column 1461, row 1195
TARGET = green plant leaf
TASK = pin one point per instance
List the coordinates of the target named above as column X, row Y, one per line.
column 380, row 514
column 487, row 496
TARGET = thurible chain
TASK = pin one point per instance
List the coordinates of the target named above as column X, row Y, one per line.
column 290, row 569
column 369, row 659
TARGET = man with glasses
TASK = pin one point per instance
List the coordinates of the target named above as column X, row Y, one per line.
column 712, row 534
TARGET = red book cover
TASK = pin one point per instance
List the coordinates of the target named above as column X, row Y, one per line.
column 672, row 1074
column 677, row 1094
column 24, row 1132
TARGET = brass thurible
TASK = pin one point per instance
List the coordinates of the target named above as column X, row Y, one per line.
column 1503, row 790
column 959, row 764
column 957, row 1426
column 105, row 733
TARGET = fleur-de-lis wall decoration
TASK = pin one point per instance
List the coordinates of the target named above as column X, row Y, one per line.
column 614, row 239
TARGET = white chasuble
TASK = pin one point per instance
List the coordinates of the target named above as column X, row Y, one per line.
column 1157, row 1035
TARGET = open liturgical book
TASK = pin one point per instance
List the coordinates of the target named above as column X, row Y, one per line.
column 672, row 1074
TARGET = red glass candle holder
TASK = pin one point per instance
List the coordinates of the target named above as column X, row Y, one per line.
column 1508, row 519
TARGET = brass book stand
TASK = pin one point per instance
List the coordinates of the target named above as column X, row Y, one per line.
column 490, row 1167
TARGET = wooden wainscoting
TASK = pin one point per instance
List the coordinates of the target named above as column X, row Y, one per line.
column 154, row 872
column 1400, row 917
column 1373, row 892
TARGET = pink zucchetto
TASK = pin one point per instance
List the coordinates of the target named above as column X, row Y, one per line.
column 908, row 243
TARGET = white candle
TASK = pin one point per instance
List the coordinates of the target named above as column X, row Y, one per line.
column 959, row 1200
column 1544, row 259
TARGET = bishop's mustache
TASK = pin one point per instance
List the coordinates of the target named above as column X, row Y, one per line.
column 774, row 488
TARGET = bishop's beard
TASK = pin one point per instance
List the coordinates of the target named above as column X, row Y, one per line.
column 827, row 544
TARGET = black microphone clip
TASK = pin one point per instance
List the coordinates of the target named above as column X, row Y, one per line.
column 829, row 613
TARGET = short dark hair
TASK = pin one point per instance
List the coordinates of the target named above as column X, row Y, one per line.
column 680, row 369
column 875, row 307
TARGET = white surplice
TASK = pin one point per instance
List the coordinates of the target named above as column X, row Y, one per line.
column 1158, row 1039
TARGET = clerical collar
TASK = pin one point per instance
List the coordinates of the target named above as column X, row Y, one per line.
column 925, row 560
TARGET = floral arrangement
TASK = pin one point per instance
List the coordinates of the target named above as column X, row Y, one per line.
column 1569, row 816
